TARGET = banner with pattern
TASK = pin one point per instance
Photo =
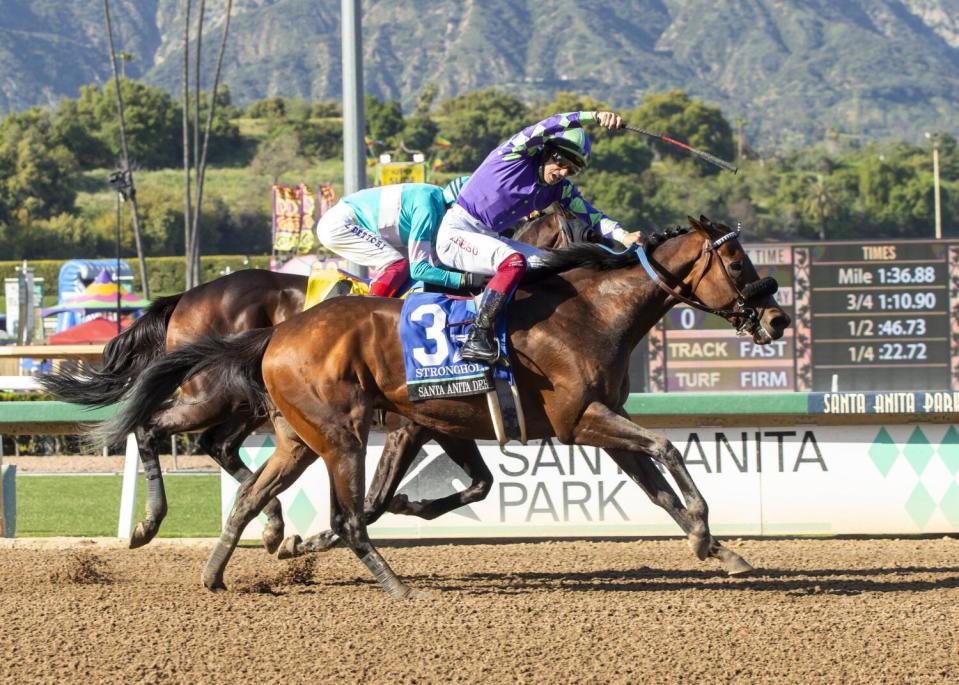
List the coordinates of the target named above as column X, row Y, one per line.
column 295, row 214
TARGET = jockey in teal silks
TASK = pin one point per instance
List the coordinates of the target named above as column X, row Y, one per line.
column 526, row 173
column 392, row 229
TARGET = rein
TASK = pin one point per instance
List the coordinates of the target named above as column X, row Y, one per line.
column 744, row 317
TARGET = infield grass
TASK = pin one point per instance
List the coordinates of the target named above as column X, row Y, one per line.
column 89, row 506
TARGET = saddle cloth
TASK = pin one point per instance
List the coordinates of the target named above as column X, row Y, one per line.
column 432, row 333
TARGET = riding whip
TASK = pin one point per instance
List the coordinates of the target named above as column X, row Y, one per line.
column 712, row 159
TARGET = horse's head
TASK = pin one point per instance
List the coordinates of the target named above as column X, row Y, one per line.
column 725, row 280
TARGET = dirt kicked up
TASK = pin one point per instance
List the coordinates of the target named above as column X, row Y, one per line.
column 815, row 611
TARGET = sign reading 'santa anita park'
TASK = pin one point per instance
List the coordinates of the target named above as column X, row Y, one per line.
column 802, row 479
column 866, row 316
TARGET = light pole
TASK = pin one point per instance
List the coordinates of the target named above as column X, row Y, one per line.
column 354, row 161
column 934, row 137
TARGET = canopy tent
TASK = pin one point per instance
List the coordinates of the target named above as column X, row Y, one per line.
column 300, row 265
column 98, row 330
column 100, row 296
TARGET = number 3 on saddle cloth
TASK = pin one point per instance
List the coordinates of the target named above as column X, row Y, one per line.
column 433, row 327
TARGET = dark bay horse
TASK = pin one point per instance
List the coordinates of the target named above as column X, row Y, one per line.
column 247, row 299
column 327, row 369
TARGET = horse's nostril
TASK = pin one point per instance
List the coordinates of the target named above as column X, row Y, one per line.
column 780, row 322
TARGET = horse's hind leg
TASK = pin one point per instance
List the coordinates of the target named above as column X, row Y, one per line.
column 640, row 468
column 222, row 442
column 601, row 427
column 148, row 441
column 401, row 447
column 289, row 460
column 466, row 455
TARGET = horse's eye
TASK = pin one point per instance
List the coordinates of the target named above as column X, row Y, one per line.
column 736, row 266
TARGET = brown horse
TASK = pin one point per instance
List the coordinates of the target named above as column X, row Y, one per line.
column 247, row 299
column 327, row 369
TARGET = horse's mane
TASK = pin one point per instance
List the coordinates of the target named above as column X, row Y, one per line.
column 593, row 256
column 659, row 237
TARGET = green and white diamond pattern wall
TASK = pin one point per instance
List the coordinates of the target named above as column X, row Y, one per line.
column 802, row 479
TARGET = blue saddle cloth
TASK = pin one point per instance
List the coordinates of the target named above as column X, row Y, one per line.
column 432, row 332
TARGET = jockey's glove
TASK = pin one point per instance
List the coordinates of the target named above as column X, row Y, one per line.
column 472, row 281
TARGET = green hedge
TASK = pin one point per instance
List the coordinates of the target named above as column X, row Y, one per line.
column 166, row 273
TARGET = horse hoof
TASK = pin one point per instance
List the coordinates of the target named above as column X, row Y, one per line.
column 214, row 584
column 142, row 534
column 272, row 537
column 737, row 566
column 288, row 549
column 732, row 563
column 415, row 594
column 700, row 545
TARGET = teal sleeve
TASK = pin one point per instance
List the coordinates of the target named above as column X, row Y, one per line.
column 424, row 221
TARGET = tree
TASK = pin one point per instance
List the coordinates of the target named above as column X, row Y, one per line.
column 419, row 132
column 820, row 204
column 620, row 196
column 37, row 173
column 152, row 121
column 383, row 119
column 622, row 153
column 477, row 122
column 270, row 108
column 676, row 115
column 326, row 110
column 127, row 189
column 424, row 100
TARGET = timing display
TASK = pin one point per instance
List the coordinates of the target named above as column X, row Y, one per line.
column 879, row 316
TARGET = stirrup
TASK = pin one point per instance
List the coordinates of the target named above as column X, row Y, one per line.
column 483, row 356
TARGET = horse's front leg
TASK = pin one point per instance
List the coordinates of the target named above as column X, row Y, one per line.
column 641, row 469
column 602, row 427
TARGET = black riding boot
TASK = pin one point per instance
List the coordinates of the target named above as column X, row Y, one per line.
column 480, row 344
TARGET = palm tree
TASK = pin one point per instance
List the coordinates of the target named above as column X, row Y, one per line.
column 820, row 204
column 130, row 193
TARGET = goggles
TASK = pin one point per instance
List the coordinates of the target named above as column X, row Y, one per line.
column 566, row 163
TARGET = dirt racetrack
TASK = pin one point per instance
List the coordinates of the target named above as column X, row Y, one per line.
column 639, row 611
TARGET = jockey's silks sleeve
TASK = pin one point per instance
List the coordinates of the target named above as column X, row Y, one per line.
column 573, row 201
column 420, row 218
column 407, row 216
column 531, row 139
column 506, row 186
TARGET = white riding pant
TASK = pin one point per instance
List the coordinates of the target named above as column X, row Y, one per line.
column 340, row 231
column 465, row 244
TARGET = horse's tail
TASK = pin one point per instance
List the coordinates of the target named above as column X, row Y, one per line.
column 231, row 364
column 124, row 358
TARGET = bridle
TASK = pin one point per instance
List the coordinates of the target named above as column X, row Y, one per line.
column 743, row 316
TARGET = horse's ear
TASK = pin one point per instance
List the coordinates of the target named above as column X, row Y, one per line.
column 704, row 220
column 693, row 223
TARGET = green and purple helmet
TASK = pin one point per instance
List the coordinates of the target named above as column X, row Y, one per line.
column 574, row 145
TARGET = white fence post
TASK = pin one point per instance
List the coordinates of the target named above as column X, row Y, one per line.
column 128, row 495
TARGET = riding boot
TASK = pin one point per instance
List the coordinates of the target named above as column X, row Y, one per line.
column 480, row 344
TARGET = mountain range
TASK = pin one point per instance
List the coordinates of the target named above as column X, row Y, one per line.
column 791, row 69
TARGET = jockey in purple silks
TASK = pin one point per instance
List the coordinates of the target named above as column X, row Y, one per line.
column 527, row 173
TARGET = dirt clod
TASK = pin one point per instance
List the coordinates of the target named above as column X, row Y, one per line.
column 80, row 567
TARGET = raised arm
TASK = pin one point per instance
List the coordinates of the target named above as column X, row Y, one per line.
column 531, row 139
